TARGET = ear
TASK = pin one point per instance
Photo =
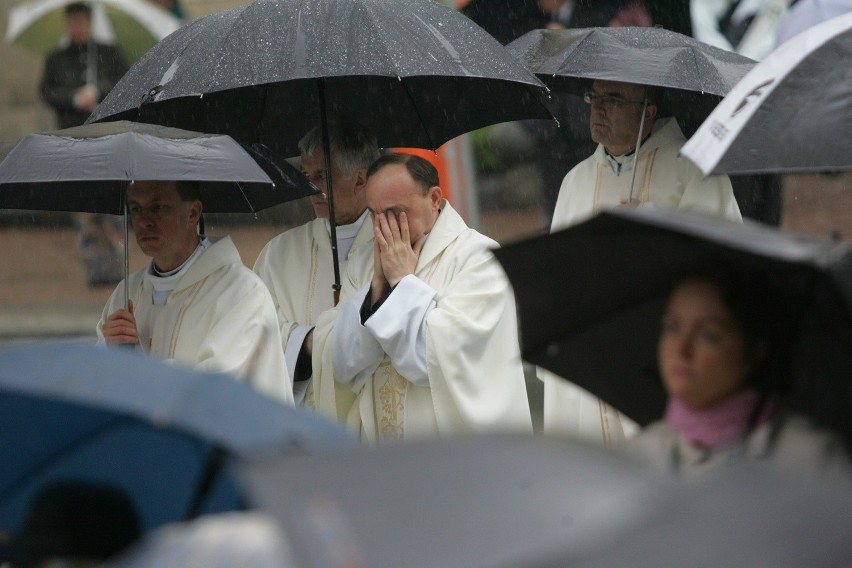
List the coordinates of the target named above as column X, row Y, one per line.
column 435, row 197
column 360, row 179
column 195, row 209
column 651, row 112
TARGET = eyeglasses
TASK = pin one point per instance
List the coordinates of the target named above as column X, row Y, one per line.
column 590, row 97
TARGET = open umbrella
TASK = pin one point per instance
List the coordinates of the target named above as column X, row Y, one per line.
column 594, row 319
column 695, row 75
column 88, row 168
column 475, row 501
column 791, row 113
column 160, row 433
column 134, row 25
column 414, row 72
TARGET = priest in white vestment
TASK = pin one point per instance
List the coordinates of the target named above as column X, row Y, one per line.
column 607, row 179
column 429, row 346
column 195, row 304
column 297, row 265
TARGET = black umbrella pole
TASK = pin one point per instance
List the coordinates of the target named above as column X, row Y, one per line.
column 326, row 150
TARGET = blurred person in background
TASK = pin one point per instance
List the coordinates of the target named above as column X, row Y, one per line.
column 76, row 78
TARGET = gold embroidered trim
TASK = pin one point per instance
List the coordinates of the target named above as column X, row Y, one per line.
column 193, row 292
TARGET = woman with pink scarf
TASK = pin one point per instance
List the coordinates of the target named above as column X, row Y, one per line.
column 722, row 355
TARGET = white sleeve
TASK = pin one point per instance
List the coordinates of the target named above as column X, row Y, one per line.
column 399, row 325
column 355, row 352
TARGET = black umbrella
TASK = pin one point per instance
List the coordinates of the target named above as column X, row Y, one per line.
column 476, row 501
column 791, row 113
column 591, row 298
column 88, row 168
column 695, row 75
column 413, row 71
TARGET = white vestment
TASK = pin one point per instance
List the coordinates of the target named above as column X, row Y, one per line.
column 219, row 318
column 297, row 268
column 460, row 307
column 663, row 179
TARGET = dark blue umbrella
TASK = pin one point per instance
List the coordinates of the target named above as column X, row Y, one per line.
column 160, row 433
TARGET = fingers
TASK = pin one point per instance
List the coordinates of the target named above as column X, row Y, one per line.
column 120, row 327
column 130, row 307
column 403, row 228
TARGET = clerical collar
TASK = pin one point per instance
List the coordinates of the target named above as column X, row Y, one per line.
column 346, row 234
column 621, row 157
column 164, row 282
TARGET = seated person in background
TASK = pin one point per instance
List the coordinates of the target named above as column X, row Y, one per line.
column 723, row 356
column 195, row 303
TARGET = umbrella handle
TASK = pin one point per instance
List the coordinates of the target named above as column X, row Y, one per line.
column 126, row 213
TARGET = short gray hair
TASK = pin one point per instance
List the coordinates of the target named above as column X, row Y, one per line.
column 352, row 146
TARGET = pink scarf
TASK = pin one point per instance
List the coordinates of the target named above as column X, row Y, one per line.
column 721, row 425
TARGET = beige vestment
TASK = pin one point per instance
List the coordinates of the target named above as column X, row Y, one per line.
column 219, row 318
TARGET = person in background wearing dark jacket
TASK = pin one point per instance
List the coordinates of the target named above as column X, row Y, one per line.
column 76, row 78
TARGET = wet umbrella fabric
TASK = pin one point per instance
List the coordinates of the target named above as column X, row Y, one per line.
column 473, row 501
column 791, row 113
column 87, row 169
column 413, row 71
column 595, row 318
column 695, row 75
column 160, row 433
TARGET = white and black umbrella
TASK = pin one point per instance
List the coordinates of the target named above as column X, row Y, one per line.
column 791, row 114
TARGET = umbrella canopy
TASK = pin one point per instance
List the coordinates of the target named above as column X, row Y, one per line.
column 791, row 113
column 413, row 71
column 88, row 168
column 466, row 501
column 744, row 517
column 595, row 318
column 695, row 75
column 134, row 25
column 158, row 432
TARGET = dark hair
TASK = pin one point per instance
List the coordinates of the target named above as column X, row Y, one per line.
column 765, row 319
column 78, row 8
column 78, row 519
column 421, row 170
column 188, row 190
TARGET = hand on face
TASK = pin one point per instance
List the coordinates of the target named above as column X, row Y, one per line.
column 397, row 255
column 120, row 327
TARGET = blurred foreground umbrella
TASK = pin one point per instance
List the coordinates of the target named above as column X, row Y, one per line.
column 160, row 433
column 595, row 319
column 134, row 25
column 791, row 113
column 746, row 517
column 414, row 72
column 456, row 502
column 88, row 169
